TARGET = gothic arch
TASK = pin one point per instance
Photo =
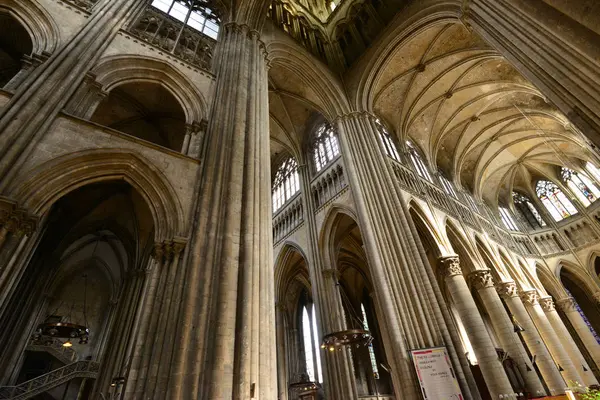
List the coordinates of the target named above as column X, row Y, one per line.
column 426, row 227
column 326, row 237
column 50, row 181
column 461, row 246
column 579, row 274
column 283, row 273
column 41, row 27
column 117, row 70
column 550, row 283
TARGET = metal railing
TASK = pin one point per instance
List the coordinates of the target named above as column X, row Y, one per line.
column 55, row 347
column 43, row 383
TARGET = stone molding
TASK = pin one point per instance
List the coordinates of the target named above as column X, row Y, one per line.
column 16, row 220
column 567, row 304
column 168, row 250
column 507, row 289
column 449, row 266
column 248, row 31
column 530, row 297
column 481, row 279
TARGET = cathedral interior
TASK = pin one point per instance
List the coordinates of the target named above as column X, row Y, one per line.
column 299, row 199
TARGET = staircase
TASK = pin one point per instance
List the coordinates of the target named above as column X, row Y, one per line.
column 43, row 383
column 66, row 355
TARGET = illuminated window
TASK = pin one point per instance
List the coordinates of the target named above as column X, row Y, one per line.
column 388, row 142
column 555, row 201
column 286, row 184
column 193, row 13
column 418, row 162
column 312, row 356
column 326, row 147
column 448, row 186
column 594, row 172
column 585, row 190
column 371, row 351
column 528, row 211
column 507, row 219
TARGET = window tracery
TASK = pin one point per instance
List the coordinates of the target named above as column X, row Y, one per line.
column 286, row 183
column 585, row 190
column 529, row 212
column 447, row 185
column 555, row 201
column 371, row 350
column 325, row 148
column 387, row 141
column 312, row 356
column 507, row 219
column 193, row 13
column 594, row 172
column 418, row 162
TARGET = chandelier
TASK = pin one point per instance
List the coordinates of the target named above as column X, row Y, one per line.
column 355, row 336
column 70, row 329
column 304, row 384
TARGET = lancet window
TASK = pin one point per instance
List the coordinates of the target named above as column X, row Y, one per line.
column 388, row 142
column 507, row 219
column 286, row 184
column 529, row 212
column 417, row 160
column 310, row 340
column 585, row 190
column 448, row 186
column 555, row 201
column 326, row 147
column 194, row 13
column 371, row 350
column 593, row 171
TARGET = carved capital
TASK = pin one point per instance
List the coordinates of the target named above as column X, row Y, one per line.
column 481, row 279
column 331, row 273
column 507, row 289
column 158, row 251
column 547, row 304
column 596, row 297
column 449, row 266
column 530, row 297
column 567, row 304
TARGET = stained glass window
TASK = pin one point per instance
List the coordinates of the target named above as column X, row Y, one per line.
column 326, row 147
column 555, row 201
column 286, row 184
column 418, row 162
column 193, row 13
column 507, row 219
column 585, row 190
column 594, row 172
column 388, row 142
column 371, row 351
column 528, row 210
column 317, row 345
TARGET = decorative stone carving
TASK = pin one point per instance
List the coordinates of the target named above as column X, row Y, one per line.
column 449, row 266
column 16, row 220
column 547, row 304
column 596, row 297
column 168, row 250
column 507, row 289
column 567, row 304
column 481, row 279
column 530, row 297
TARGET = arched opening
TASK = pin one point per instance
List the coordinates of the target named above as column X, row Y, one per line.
column 585, row 305
column 15, row 43
column 82, row 272
column 146, row 110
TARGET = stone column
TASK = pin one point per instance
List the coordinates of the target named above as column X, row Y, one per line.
column 568, row 305
column 226, row 339
column 559, row 353
column 197, row 141
column 565, row 336
column 282, row 347
column 504, row 328
column 84, row 102
column 491, row 367
column 533, row 340
column 557, row 54
column 411, row 312
column 29, row 63
column 45, row 91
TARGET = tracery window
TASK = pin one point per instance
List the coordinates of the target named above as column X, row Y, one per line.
column 312, row 356
column 286, row 184
column 594, row 172
column 371, row 350
column 507, row 219
column 387, row 141
column 193, row 13
column 448, row 186
column 529, row 212
column 585, row 190
column 326, row 147
column 555, row 201
column 418, row 162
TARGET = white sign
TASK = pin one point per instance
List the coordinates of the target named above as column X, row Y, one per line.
column 436, row 375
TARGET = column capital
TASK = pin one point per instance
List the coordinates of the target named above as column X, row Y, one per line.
column 596, row 297
column 332, row 273
column 547, row 303
column 449, row 265
column 481, row 279
column 530, row 297
column 567, row 304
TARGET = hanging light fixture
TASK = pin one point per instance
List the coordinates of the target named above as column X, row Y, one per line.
column 304, row 384
column 356, row 336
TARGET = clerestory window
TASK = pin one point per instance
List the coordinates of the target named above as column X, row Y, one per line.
column 448, row 186
column 507, row 219
column 388, row 142
column 418, row 161
column 286, row 184
column 585, row 190
column 555, row 201
column 326, row 147
column 194, row 13
column 528, row 211
column 312, row 355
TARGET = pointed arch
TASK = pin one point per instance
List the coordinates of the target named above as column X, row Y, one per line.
column 42, row 28
column 426, row 230
column 460, row 245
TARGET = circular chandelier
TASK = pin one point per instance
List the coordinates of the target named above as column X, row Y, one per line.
column 305, row 384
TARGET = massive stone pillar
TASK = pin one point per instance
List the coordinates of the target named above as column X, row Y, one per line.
column 569, row 308
column 558, row 55
column 533, row 340
column 559, row 353
column 411, row 312
column 565, row 337
column 491, row 367
column 46, row 90
column 226, row 333
column 504, row 328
